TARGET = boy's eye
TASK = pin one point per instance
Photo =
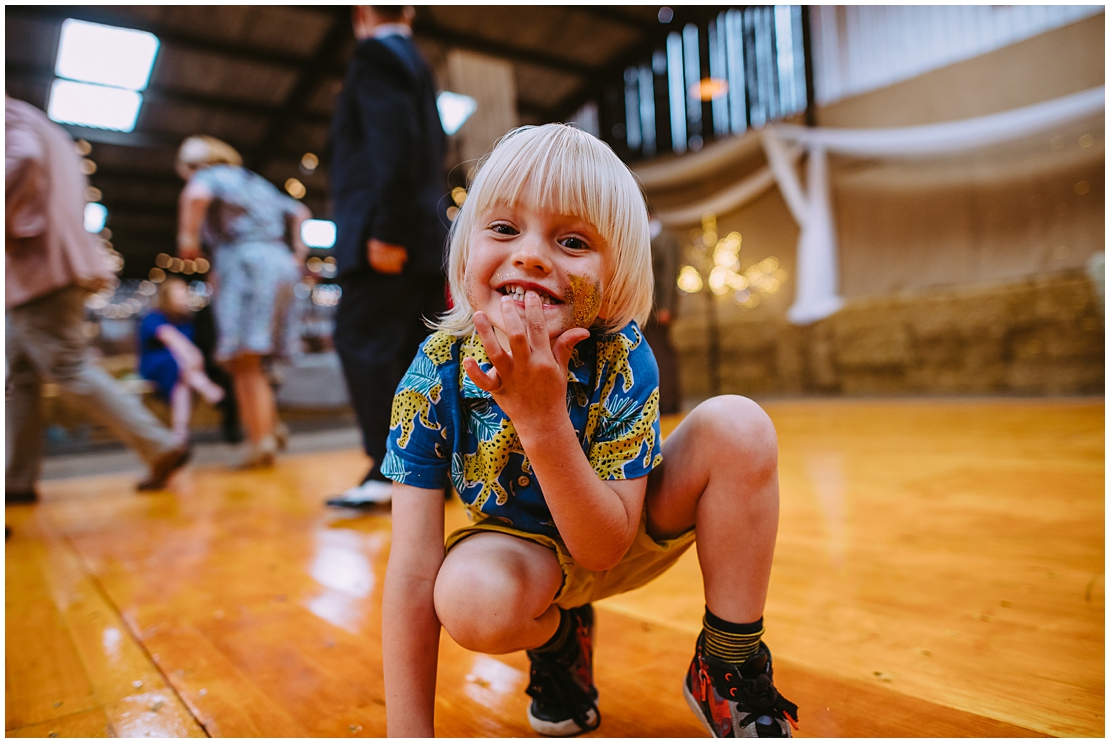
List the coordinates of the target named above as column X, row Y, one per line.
column 575, row 243
column 504, row 229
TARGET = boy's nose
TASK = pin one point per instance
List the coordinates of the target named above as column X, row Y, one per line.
column 532, row 253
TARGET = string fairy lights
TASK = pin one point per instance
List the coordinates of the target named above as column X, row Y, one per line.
column 715, row 266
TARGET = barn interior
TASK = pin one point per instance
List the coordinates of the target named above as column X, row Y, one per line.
column 913, row 290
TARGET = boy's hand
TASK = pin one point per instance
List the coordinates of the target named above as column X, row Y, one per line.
column 529, row 380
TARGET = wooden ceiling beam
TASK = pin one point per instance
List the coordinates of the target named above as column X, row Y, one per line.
column 145, row 140
column 648, row 43
column 424, row 27
column 612, row 15
column 162, row 94
column 315, row 70
column 243, row 51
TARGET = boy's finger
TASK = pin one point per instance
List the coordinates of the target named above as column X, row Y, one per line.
column 489, row 382
column 514, row 328
column 564, row 346
column 488, row 337
column 537, row 326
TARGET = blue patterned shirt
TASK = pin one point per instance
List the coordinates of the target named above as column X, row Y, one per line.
column 444, row 426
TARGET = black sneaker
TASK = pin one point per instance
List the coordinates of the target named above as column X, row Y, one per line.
column 738, row 701
column 561, row 682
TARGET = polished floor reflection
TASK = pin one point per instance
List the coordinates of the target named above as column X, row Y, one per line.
column 939, row 572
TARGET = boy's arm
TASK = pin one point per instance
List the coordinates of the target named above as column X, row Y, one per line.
column 410, row 627
column 597, row 519
column 183, row 350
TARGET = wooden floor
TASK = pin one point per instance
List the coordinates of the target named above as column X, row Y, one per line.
column 939, row 572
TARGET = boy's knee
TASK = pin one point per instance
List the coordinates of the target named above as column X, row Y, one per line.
column 480, row 606
column 740, row 429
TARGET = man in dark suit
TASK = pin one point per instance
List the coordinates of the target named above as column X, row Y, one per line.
column 388, row 191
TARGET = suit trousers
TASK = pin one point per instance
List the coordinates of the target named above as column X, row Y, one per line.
column 379, row 326
column 46, row 340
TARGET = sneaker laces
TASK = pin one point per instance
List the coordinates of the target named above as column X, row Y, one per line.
column 756, row 696
column 551, row 677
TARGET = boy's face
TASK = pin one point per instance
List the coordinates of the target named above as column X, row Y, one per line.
column 514, row 249
column 177, row 298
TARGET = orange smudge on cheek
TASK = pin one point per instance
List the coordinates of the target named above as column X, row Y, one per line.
column 583, row 297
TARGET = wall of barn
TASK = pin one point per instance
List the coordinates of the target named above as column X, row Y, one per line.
column 961, row 275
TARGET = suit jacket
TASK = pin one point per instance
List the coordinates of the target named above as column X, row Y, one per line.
column 386, row 153
column 46, row 247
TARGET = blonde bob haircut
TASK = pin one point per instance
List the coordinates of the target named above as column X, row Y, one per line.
column 565, row 170
column 201, row 150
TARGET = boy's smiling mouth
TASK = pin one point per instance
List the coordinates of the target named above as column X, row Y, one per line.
column 581, row 298
column 518, row 290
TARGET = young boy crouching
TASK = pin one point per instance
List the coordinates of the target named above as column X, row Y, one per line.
column 537, row 401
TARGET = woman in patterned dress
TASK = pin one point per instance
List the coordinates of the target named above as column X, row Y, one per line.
column 249, row 226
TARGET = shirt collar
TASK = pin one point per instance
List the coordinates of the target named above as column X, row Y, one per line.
column 577, row 370
column 391, row 29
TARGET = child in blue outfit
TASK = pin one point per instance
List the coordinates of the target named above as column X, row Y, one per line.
column 537, row 402
column 169, row 358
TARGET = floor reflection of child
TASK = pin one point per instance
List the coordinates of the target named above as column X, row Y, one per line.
column 169, row 358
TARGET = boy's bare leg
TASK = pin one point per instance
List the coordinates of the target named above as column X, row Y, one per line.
column 181, row 411
column 720, row 474
column 199, row 381
column 493, row 593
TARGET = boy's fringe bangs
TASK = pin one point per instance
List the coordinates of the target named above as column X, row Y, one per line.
column 556, row 173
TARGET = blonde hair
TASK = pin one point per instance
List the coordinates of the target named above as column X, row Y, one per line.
column 568, row 171
column 202, row 150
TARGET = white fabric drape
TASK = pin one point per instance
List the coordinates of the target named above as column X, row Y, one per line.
column 816, row 269
column 729, row 199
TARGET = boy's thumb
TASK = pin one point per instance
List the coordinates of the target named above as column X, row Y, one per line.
column 566, row 343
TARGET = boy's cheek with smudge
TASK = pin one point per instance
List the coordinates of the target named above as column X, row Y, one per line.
column 583, row 300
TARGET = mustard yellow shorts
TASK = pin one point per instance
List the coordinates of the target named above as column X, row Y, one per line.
column 645, row 560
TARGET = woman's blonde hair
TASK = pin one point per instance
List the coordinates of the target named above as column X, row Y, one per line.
column 568, row 171
column 202, row 150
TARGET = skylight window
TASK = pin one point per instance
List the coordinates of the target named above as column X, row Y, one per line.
column 100, row 70
column 454, row 110
column 94, row 105
column 106, row 55
column 318, row 233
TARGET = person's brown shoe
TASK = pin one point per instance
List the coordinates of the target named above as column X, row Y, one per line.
column 21, row 496
column 166, row 465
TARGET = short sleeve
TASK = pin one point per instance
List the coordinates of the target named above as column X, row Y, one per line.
column 625, row 444
column 416, row 450
column 214, row 178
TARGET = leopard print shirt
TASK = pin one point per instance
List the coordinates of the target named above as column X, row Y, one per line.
column 445, row 429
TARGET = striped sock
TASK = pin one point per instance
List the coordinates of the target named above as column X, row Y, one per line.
column 730, row 642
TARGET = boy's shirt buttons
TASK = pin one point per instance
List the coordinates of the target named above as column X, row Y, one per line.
column 523, row 481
